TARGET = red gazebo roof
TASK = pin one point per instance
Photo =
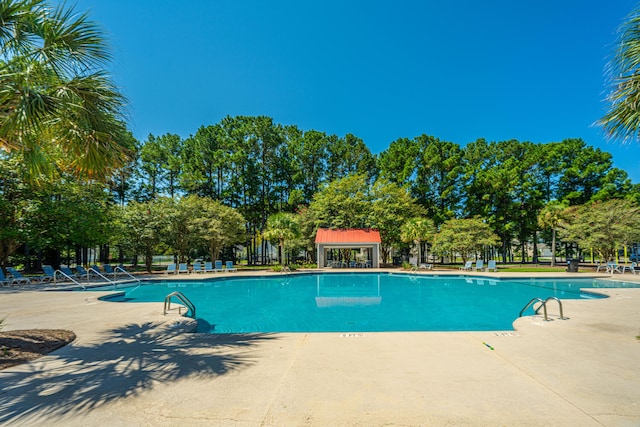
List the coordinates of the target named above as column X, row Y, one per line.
column 348, row 235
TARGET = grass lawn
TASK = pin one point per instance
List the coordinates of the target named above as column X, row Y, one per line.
column 532, row 269
column 520, row 268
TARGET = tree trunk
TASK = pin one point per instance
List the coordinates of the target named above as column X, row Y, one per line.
column 553, row 247
column 281, row 251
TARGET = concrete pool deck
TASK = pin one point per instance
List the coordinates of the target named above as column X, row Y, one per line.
column 130, row 365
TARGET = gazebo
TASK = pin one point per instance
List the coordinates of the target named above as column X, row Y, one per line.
column 351, row 247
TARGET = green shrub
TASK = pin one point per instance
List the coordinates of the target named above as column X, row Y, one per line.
column 406, row 265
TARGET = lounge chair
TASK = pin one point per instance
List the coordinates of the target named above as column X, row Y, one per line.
column 68, row 272
column 492, row 265
column 97, row 271
column 3, row 280
column 623, row 268
column 611, row 268
column 49, row 272
column 467, row 266
column 218, row 267
column 46, row 277
column 182, row 268
column 208, row 267
column 479, row 265
column 197, row 268
column 171, row 269
column 85, row 274
column 108, row 270
column 600, row 265
column 424, row 266
column 230, row 267
column 17, row 277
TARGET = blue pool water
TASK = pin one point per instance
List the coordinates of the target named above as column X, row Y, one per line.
column 364, row 302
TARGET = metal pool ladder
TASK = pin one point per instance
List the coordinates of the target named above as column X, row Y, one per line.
column 543, row 305
column 183, row 299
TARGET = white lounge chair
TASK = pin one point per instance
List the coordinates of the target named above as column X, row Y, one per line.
column 171, row 269
column 631, row 268
column 492, row 265
column 479, row 265
column 467, row 266
column 600, row 265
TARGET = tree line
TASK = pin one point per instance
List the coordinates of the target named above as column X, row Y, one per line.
column 256, row 168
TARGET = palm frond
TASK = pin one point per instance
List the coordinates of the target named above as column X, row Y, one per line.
column 622, row 120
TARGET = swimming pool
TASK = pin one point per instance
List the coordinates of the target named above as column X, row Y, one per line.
column 363, row 302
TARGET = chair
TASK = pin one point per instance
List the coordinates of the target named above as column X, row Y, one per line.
column 3, row 280
column 208, row 267
column 623, row 268
column 68, row 272
column 197, row 268
column 479, row 265
column 84, row 273
column 229, row 266
column 218, row 266
column 599, row 266
column 492, row 266
column 17, row 277
column 171, row 269
column 96, row 270
column 467, row 266
column 182, row 268
column 108, row 270
column 424, row 266
column 612, row 267
column 46, row 277
column 49, row 272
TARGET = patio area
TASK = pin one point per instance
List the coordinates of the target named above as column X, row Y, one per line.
column 130, row 365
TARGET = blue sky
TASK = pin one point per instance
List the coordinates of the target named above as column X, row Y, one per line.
column 381, row 70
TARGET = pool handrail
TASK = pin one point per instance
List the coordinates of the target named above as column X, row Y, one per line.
column 543, row 305
column 126, row 273
column 183, row 299
column 65, row 275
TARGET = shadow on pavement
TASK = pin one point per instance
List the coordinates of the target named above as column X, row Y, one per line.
column 78, row 378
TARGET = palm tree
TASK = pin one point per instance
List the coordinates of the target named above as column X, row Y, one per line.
column 417, row 230
column 57, row 104
column 282, row 227
column 623, row 117
column 551, row 216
